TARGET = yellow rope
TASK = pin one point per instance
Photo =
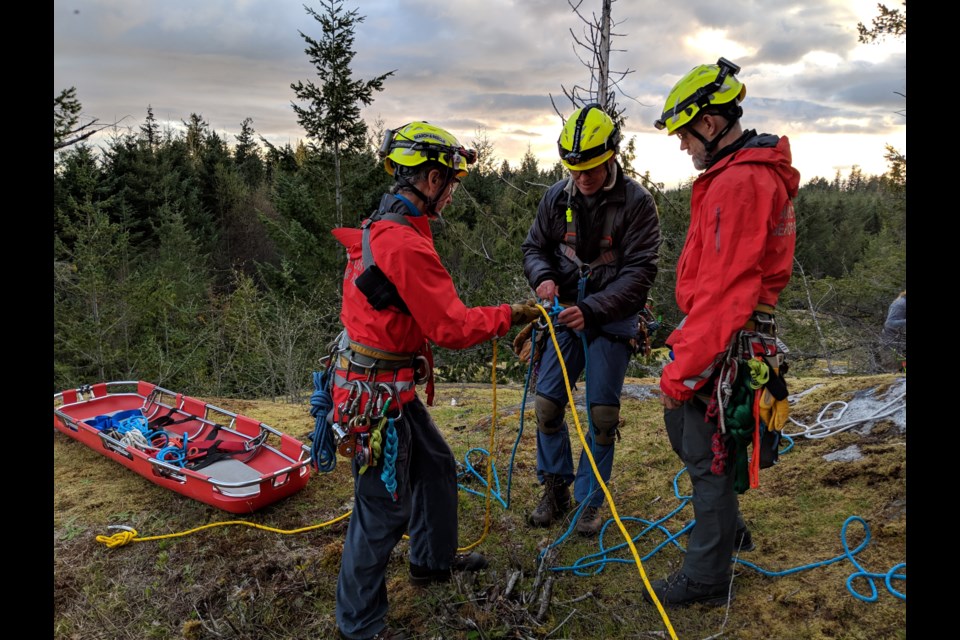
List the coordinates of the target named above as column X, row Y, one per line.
column 129, row 534
column 596, row 472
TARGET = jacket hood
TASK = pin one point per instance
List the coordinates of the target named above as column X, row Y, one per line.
column 769, row 149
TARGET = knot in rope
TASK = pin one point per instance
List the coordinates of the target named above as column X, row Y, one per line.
column 389, row 473
column 759, row 373
column 118, row 539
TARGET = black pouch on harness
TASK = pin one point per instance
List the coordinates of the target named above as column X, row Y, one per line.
column 769, row 447
column 380, row 292
column 770, row 438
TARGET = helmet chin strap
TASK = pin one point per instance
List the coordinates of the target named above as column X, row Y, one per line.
column 711, row 145
column 430, row 204
column 406, row 185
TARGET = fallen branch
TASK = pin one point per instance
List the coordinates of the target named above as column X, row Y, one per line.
column 545, row 598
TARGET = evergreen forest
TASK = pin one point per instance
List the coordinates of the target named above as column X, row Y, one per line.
column 206, row 264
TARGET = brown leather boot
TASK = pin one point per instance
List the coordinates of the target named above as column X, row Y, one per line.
column 590, row 521
column 554, row 502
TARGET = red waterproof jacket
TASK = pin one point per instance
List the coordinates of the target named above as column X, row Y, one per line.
column 407, row 257
column 738, row 253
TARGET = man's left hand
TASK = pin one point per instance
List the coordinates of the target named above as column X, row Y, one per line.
column 572, row 317
column 670, row 403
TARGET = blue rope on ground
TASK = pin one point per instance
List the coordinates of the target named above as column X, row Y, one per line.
column 323, row 453
column 849, row 554
column 470, row 470
column 593, row 564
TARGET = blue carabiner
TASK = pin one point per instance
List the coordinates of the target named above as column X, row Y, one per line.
column 556, row 309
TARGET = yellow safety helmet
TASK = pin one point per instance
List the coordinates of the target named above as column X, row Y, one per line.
column 419, row 142
column 703, row 86
column 589, row 138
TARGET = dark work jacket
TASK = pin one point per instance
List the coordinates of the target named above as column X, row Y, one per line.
column 616, row 290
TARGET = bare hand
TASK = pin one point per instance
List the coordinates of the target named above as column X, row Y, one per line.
column 670, row 403
column 572, row 317
column 547, row 291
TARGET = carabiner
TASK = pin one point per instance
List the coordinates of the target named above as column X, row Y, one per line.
column 393, row 398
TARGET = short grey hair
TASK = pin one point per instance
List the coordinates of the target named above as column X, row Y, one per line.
column 404, row 175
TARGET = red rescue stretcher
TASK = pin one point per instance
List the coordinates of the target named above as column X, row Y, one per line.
column 225, row 460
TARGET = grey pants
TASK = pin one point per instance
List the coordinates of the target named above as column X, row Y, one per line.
column 426, row 508
column 715, row 504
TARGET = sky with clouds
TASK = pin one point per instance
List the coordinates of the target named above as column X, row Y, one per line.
column 490, row 67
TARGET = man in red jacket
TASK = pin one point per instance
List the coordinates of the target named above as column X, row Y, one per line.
column 736, row 259
column 397, row 299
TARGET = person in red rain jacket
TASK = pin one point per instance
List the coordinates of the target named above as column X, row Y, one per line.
column 398, row 299
column 736, row 259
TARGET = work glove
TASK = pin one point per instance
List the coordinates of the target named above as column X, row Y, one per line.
column 523, row 313
column 522, row 343
column 773, row 412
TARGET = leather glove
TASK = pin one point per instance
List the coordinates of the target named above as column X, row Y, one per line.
column 773, row 412
column 521, row 344
column 523, row 313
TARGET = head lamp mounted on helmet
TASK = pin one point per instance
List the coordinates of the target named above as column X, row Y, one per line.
column 579, row 157
column 430, row 150
column 701, row 97
column 571, row 142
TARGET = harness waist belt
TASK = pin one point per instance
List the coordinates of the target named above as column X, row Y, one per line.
column 353, row 359
column 379, row 354
column 762, row 320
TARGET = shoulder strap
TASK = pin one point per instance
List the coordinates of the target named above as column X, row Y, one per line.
column 608, row 255
column 373, row 283
column 389, row 216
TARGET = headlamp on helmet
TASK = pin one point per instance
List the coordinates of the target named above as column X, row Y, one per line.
column 708, row 85
column 589, row 138
column 418, row 142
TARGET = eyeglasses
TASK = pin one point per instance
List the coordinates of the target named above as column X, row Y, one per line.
column 588, row 172
column 454, row 185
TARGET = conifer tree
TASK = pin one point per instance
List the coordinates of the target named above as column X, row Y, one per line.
column 330, row 112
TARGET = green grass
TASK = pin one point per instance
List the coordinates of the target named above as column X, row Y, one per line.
column 244, row 582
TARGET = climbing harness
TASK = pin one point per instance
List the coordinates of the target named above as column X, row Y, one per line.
column 133, row 428
column 747, row 395
column 608, row 252
column 363, row 426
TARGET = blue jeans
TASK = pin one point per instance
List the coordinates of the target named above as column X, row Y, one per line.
column 605, row 362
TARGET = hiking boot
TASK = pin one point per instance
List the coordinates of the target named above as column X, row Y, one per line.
column 422, row 576
column 590, row 521
column 385, row 634
column 554, row 502
column 679, row 591
column 743, row 541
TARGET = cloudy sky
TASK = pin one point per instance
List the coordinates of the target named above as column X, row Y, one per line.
column 490, row 66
